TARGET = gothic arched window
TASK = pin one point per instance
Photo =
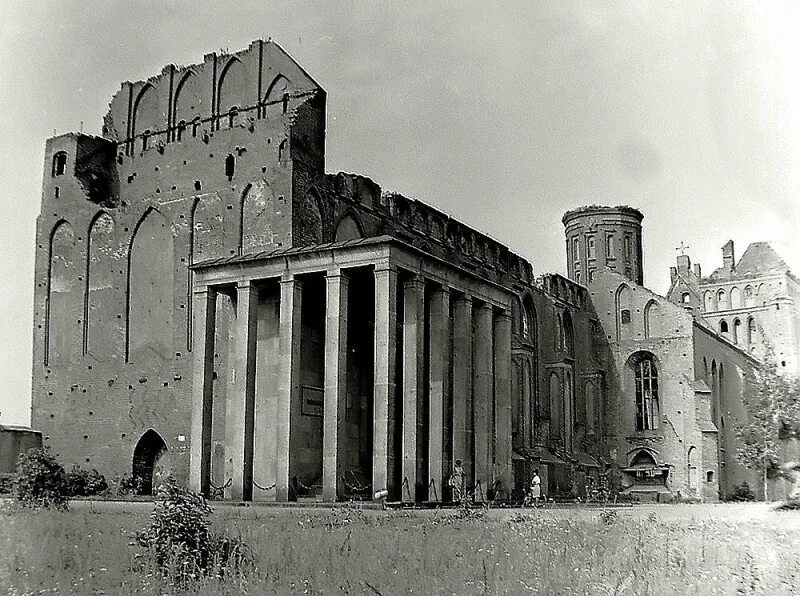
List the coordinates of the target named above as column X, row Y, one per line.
column 722, row 300
column 646, row 379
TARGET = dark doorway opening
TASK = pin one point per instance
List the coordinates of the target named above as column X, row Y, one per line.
column 149, row 450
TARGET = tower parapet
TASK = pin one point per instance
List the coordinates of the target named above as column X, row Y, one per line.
column 599, row 237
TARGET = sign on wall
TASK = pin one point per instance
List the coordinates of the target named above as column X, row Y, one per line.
column 312, row 401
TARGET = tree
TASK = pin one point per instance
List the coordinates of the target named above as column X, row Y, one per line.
column 773, row 414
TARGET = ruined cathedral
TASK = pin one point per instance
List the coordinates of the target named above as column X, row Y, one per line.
column 210, row 303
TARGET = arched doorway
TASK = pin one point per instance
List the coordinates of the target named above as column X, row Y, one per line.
column 149, row 450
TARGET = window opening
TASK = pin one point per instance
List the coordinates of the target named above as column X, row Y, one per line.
column 59, row 163
column 646, row 377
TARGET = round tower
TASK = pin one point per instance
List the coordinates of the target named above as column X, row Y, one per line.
column 599, row 237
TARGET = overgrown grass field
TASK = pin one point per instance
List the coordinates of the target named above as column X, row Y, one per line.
column 660, row 550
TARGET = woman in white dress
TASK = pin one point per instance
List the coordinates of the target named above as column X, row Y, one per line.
column 536, row 487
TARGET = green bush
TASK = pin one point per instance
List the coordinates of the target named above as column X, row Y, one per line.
column 180, row 541
column 40, row 481
column 742, row 492
column 85, row 483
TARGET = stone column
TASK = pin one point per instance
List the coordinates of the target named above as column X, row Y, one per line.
column 205, row 312
column 289, row 377
column 384, row 374
column 483, row 398
column 462, row 385
column 242, row 395
column 335, row 382
column 502, row 396
column 267, row 356
column 413, row 377
column 439, row 351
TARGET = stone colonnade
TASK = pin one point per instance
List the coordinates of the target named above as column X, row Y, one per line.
column 441, row 380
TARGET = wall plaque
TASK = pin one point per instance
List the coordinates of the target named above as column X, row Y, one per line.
column 312, row 401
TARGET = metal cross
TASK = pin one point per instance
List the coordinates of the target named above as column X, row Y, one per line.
column 682, row 247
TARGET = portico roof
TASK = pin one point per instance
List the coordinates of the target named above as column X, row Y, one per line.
column 292, row 250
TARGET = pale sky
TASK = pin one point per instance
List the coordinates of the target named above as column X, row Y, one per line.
column 502, row 114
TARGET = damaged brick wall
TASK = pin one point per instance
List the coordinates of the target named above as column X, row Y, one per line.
column 194, row 165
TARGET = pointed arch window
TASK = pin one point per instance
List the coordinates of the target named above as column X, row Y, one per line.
column 751, row 330
column 559, row 336
column 646, row 380
column 568, row 336
column 749, row 300
column 722, row 300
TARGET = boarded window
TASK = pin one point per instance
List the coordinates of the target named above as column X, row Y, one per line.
column 64, row 297
column 348, row 228
column 151, row 286
column 104, row 335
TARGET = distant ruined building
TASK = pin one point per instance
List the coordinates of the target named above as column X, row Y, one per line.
column 211, row 303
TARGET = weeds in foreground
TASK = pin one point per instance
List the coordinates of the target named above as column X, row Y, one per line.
column 180, row 542
column 352, row 551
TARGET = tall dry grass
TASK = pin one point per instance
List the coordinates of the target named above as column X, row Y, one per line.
column 350, row 551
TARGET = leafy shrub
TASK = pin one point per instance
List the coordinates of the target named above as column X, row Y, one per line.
column 180, row 541
column 40, row 481
column 6, row 484
column 129, row 485
column 85, row 483
column 742, row 492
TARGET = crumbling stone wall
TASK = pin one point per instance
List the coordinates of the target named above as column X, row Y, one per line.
column 194, row 164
